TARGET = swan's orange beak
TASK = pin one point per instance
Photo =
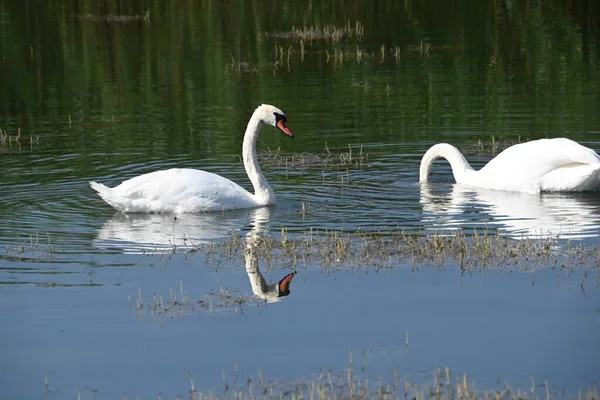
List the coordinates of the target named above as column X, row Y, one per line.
column 281, row 125
column 284, row 284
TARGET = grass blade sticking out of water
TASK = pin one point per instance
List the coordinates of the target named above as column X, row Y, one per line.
column 315, row 33
column 355, row 157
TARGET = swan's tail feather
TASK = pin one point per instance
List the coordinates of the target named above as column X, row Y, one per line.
column 100, row 188
column 107, row 195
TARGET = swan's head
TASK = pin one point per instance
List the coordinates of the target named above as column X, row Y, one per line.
column 273, row 116
column 283, row 287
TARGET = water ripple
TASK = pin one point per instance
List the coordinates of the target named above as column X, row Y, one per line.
column 53, row 202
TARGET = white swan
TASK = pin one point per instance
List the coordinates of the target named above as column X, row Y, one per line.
column 545, row 165
column 184, row 190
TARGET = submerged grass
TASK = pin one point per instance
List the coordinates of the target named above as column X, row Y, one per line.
column 179, row 302
column 10, row 143
column 470, row 251
column 346, row 384
column 339, row 44
column 116, row 18
column 314, row 33
column 354, row 157
column 491, row 147
column 33, row 248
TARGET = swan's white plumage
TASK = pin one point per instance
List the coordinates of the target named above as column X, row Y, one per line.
column 176, row 190
column 184, row 190
column 545, row 165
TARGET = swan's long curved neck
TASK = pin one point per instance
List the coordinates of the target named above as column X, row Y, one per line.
column 263, row 193
column 460, row 166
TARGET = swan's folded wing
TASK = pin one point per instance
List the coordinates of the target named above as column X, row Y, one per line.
column 182, row 190
column 539, row 157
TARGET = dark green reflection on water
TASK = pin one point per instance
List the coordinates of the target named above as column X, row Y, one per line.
column 168, row 77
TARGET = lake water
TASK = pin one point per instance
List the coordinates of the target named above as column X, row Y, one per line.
column 104, row 304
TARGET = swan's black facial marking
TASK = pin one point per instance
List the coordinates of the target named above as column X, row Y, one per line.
column 279, row 117
column 281, row 123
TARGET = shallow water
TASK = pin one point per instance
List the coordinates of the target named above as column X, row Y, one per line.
column 78, row 281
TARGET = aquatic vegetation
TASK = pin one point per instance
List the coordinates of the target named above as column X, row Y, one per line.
column 494, row 146
column 341, row 45
column 475, row 250
column 328, row 33
column 348, row 384
column 215, row 301
column 344, row 44
column 356, row 158
column 489, row 147
column 32, row 248
column 110, row 18
column 13, row 142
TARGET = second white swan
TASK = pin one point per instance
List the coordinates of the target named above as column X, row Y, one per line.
column 544, row 165
column 184, row 190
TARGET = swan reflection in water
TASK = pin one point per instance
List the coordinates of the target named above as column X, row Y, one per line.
column 148, row 233
column 572, row 216
column 261, row 289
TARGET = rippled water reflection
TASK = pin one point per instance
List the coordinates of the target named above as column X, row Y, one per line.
column 143, row 233
column 105, row 303
column 519, row 215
